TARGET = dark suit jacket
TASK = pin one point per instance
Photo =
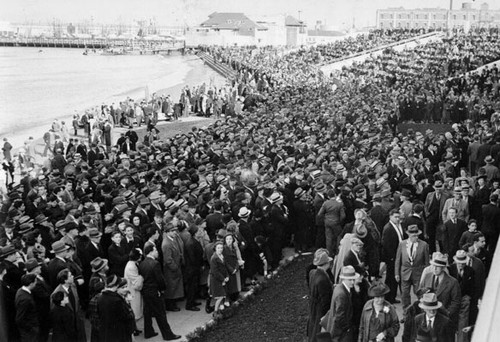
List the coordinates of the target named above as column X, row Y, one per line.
column 380, row 217
column 404, row 267
column 339, row 318
column 441, row 331
column 26, row 313
column 350, row 259
column 447, row 293
column 214, row 223
column 390, row 243
column 63, row 320
column 116, row 318
column 491, row 219
column 55, row 266
column 154, row 282
column 466, row 282
column 118, row 258
column 451, row 236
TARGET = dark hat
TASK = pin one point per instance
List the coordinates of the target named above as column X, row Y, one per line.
column 406, row 193
column 6, row 251
column 94, row 233
column 98, row 264
column 58, row 247
column 413, row 229
column 378, row 290
column 438, row 184
column 358, row 189
column 40, row 218
column 31, row 264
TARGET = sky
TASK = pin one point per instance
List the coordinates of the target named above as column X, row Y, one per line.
column 192, row 12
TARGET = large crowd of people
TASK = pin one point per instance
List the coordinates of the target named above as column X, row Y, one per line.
column 129, row 229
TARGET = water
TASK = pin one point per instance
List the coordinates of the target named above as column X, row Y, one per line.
column 36, row 87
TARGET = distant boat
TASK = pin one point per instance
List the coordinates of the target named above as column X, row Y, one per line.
column 40, row 51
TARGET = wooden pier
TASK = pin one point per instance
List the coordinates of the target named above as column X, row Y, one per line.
column 153, row 46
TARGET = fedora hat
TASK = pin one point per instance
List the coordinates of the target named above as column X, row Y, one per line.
column 378, row 290
column 356, row 241
column 348, row 272
column 98, row 264
column 439, row 259
column 321, row 258
column 6, row 251
column 94, row 233
column 489, row 159
column 320, row 187
column 413, row 229
column 275, row 197
column 385, row 193
column 31, row 264
column 169, row 203
column 438, row 184
column 59, row 247
column 376, row 197
column 244, row 212
column 298, row 192
column 40, row 219
column 461, row 257
column 429, row 301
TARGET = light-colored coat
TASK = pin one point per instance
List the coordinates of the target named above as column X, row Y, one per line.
column 404, row 267
column 134, row 285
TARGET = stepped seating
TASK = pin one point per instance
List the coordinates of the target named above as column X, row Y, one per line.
column 222, row 69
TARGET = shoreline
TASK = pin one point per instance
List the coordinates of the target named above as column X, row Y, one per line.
column 196, row 74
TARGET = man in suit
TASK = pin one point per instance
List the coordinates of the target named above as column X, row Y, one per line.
column 339, row 319
column 26, row 313
column 172, row 267
column 491, row 219
column 333, row 214
column 378, row 214
column 446, row 287
column 58, row 263
column 435, row 324
column 457, row 202
column 452, row 232
column 67, row 285
column 392, row 236
column 320, row 293
column 152, row 292
column 479, row 279
column 433, row 207
column 41, row 295
column 214, row 220
column 412, row 257
column 464, row 274
column 319, row 199
column 13, row 266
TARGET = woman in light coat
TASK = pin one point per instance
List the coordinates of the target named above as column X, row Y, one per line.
column 134, row 282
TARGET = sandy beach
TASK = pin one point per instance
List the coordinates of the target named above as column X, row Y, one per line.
column 197, row 74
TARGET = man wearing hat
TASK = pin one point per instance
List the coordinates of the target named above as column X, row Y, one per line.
column 278, row 219
column 491, row 218
column 302, row 219
column 339, row 317
column 172, row 267
column 41, row 294
column 464, row 274
column 27, row 320
column 446, row 288
column 437, row 325
column 412, row 257
column 490, row 169
column 117, row 322
column 58, row 263
column 98, row 278
column 453, row 229
column 392, row 236
column 377, row 213
column 462, row 209
column 214, row 219
column 433, row 207
column 333, row 214
column 320, row 293
column 319, row 227
column 152, row 290
column 10, row 257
